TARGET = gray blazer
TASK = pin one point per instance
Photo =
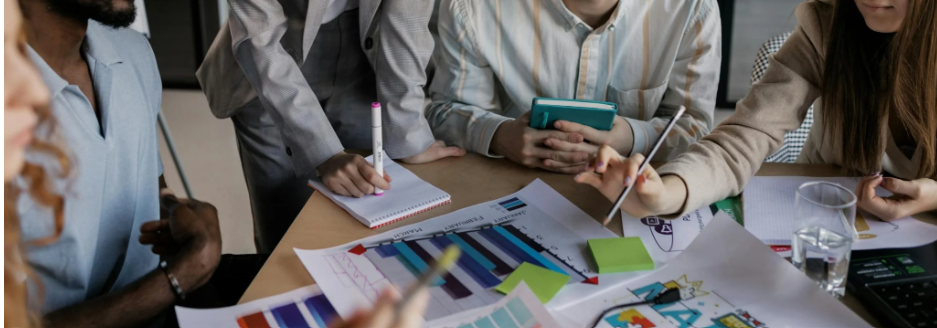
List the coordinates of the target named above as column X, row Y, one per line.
column 259, row 51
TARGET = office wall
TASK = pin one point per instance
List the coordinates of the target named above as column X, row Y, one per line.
column 754, row 23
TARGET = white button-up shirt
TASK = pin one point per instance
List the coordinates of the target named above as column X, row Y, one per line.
column 650, row 58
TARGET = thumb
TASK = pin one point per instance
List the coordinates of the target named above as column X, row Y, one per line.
column 900, row 187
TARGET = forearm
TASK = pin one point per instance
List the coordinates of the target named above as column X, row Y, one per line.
column 132, row 306
column 281, row 87
column 465, row 126
column 688, row 130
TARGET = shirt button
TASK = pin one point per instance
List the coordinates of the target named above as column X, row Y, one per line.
column 368, row 43
column 611, row 28
column 289, row 152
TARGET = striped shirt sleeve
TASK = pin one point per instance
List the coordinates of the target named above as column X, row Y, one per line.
column 691, row 84
column 465, row 111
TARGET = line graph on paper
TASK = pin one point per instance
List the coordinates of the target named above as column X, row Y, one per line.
column 361, row 274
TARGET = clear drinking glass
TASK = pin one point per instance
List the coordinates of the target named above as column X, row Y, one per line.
column 826, row 216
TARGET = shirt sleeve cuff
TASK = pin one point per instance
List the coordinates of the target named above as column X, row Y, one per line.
column 487, row 126
column 643, row 133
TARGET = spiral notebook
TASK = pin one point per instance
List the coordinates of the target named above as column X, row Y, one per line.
column 409, row 195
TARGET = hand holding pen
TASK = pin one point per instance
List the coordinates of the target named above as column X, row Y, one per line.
column 385, row 313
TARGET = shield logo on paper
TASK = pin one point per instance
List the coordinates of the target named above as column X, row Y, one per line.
column 662, row 232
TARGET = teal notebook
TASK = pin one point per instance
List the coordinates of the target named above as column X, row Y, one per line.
column 595, row 114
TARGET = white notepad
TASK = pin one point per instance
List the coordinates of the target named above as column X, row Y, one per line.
column 768, row 206
column 409, row 195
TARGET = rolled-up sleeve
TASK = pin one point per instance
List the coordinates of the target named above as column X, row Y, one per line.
column 256, row 29
column 692, row 84
column 465, row 110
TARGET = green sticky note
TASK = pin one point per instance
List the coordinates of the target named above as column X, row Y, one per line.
column 620, row 255
column 544, row 283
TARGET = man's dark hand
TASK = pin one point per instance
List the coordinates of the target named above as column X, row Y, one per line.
column 187, row 237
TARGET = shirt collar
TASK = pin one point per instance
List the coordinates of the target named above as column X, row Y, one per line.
column 572, row 20
column 96, row 46
column 53, row 81
column 99, row 46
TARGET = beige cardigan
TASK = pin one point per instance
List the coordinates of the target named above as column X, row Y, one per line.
column 720, row 164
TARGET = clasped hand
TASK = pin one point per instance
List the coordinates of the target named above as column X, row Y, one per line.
column 187, row 236
column 566, row 149
column 908, row 197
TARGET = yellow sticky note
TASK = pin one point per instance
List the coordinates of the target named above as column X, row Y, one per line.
column 543, row 282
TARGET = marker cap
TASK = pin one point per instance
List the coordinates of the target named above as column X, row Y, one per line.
column 375, row 114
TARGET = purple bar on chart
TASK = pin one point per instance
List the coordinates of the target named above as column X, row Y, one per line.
column 481, row 275
column 508, row 247
column 452, row 286
column 288, row 316
column 386, row 250
column 321, row 309
column 501, row 268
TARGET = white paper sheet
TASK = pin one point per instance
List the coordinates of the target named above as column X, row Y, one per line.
column 520, row 308
column 228, row 317
column 770, row 215
column 726, row 275
column 665, row 239
column 352, row 280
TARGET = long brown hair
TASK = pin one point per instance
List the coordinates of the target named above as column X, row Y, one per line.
column 869, row 77
column 38, row 179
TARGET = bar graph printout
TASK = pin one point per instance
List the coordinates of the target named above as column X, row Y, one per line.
column 305, row 307
column 535, row 225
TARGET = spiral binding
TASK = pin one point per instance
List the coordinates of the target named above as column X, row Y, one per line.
column 447, row 201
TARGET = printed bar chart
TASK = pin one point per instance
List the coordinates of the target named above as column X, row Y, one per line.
column 291, row 315
column 513, row 315
column 489, row 255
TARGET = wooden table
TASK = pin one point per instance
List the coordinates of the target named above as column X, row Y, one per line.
column 470, row 180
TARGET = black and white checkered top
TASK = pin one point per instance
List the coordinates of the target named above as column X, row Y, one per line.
column 793, row 140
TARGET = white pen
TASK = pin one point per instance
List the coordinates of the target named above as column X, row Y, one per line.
column 377, row 143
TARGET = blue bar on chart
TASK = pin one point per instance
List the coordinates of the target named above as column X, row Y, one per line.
column 478, row 272
column 530, row 251
column 288, row 316
column 321, row 310
column 415, row 261
column 501, row 268
column 471, row 252
column 507, row 247
column 503, row 319
column 512, row 204
column 451, row 285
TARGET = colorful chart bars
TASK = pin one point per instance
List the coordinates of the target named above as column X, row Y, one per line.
column 489, row 255
column 513, row 315
column 291, row 315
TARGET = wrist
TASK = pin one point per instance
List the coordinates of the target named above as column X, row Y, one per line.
column 676, row 190
column 495, row 146
column 625, row 144
column 193, row 268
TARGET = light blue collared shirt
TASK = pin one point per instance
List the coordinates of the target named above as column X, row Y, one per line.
column 113, row 186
